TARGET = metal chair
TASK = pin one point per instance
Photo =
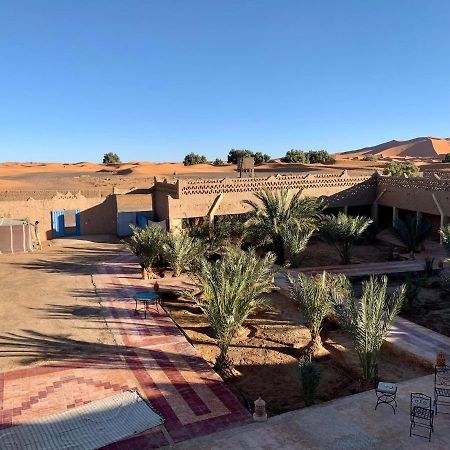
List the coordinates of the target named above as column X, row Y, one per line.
column 386, row 392
column 441, row 386
column 421, row 414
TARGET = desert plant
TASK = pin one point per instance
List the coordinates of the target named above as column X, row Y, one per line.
column 276, row 212
column 218, row 162
column 370, row 157
column 182, row 252
column 320, row 156
column 261, row 157
column 309, row 375
column 232, row 287
column 111, row 158
column 343, row 231
column 412, row 231
column 295, row 241
column 446, row 158
column 412, row 289
column 369, row 319
column 147, row 244
column 192, row 158
column 445, row 237
column 396, row 169
column 295, row 156
column 316, row 295
column 235, row 154
column 428, row 266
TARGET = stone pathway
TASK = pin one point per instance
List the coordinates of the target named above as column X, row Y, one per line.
column 152, row 356
column 348, row 423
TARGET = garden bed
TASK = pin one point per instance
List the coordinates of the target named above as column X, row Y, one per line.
column 267, row 349
column 431, row 307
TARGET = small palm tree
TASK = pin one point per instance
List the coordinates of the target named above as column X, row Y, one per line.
column 275, row 212
column 182, row 252
column 369, row 319
column 412, row 231
column 147, row 244
column 232, row 287
column 343, row 231
column 316, row 295
column 295, row 241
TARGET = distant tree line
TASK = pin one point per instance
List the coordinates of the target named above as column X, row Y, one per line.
column 235, row 154
column 308, row 157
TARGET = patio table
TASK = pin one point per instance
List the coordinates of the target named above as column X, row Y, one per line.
column 147, row 298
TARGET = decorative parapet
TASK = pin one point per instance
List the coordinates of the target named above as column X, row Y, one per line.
column 166, row 186
column 425, row 183
column 308, row 181
column 442, row 174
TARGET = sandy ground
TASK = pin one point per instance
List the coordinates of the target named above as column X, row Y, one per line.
column 47, row 298
column 267, row 349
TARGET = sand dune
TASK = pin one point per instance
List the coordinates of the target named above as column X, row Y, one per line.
column 422, row 147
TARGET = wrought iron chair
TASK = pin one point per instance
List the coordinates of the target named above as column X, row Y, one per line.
column 386, row 392
column 441, row 386
column 422, row 414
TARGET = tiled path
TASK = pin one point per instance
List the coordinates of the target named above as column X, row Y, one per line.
column 153, row 356
column 348, row 423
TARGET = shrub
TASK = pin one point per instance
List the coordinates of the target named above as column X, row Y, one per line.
column 370, row 157
column 260, row 158
column 309, row 375
column 295, row 241
column 446, row 158
column 320, row 156
column 111, row 158
column 396, row 169
column 218, row 162
column 445, row 236
column 192, row 159
column 412, row 232
column 295, row 156
column 343, row 231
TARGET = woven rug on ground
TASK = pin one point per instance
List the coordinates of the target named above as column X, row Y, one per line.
column 90, row 426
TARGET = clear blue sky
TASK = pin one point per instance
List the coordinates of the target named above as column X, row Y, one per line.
column 154, row 80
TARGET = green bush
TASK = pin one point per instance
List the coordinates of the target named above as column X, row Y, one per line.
column 311, row 157
column 235, row 154
column 261, row 158
column 192, row 159
column 396, row 169
column 309, row 375
column 218, row 162
column 111, row 158
column 370, row 157
column 295, row 156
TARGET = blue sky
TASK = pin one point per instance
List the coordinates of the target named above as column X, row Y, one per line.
column 154, row 80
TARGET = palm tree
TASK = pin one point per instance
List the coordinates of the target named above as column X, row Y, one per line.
column 147, row 244
column 275, row 213
column 343, row 231
column 316, row 295
column 412, row 231
column 232, row 287
column 369, row 319
column 295, row 241
column 182, row 252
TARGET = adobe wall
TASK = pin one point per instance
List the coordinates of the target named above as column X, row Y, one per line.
column 197, row 198
column 97, row 209
column 415, row 194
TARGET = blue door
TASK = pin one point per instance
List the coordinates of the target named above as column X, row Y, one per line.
column 58, row 223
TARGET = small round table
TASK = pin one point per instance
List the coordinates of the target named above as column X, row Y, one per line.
column 147, row 298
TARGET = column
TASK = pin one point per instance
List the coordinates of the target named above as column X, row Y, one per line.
column 375, row 213
column 394, row 215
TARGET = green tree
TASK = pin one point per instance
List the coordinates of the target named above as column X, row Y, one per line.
column 218, row 162
column 320, row 156
column 412, row 231
column 295, row 156
column 275, row 213
column 192, row 158
column 316, row 295
column 111, row 158
column 343, row 231
column 232, row 287
column 147, row 244
column 260, row 157
column 235, row 154
column 396, row 169
column 369, row 319
column 182, row 252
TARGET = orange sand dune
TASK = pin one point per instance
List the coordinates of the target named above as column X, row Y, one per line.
column 422, row 147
